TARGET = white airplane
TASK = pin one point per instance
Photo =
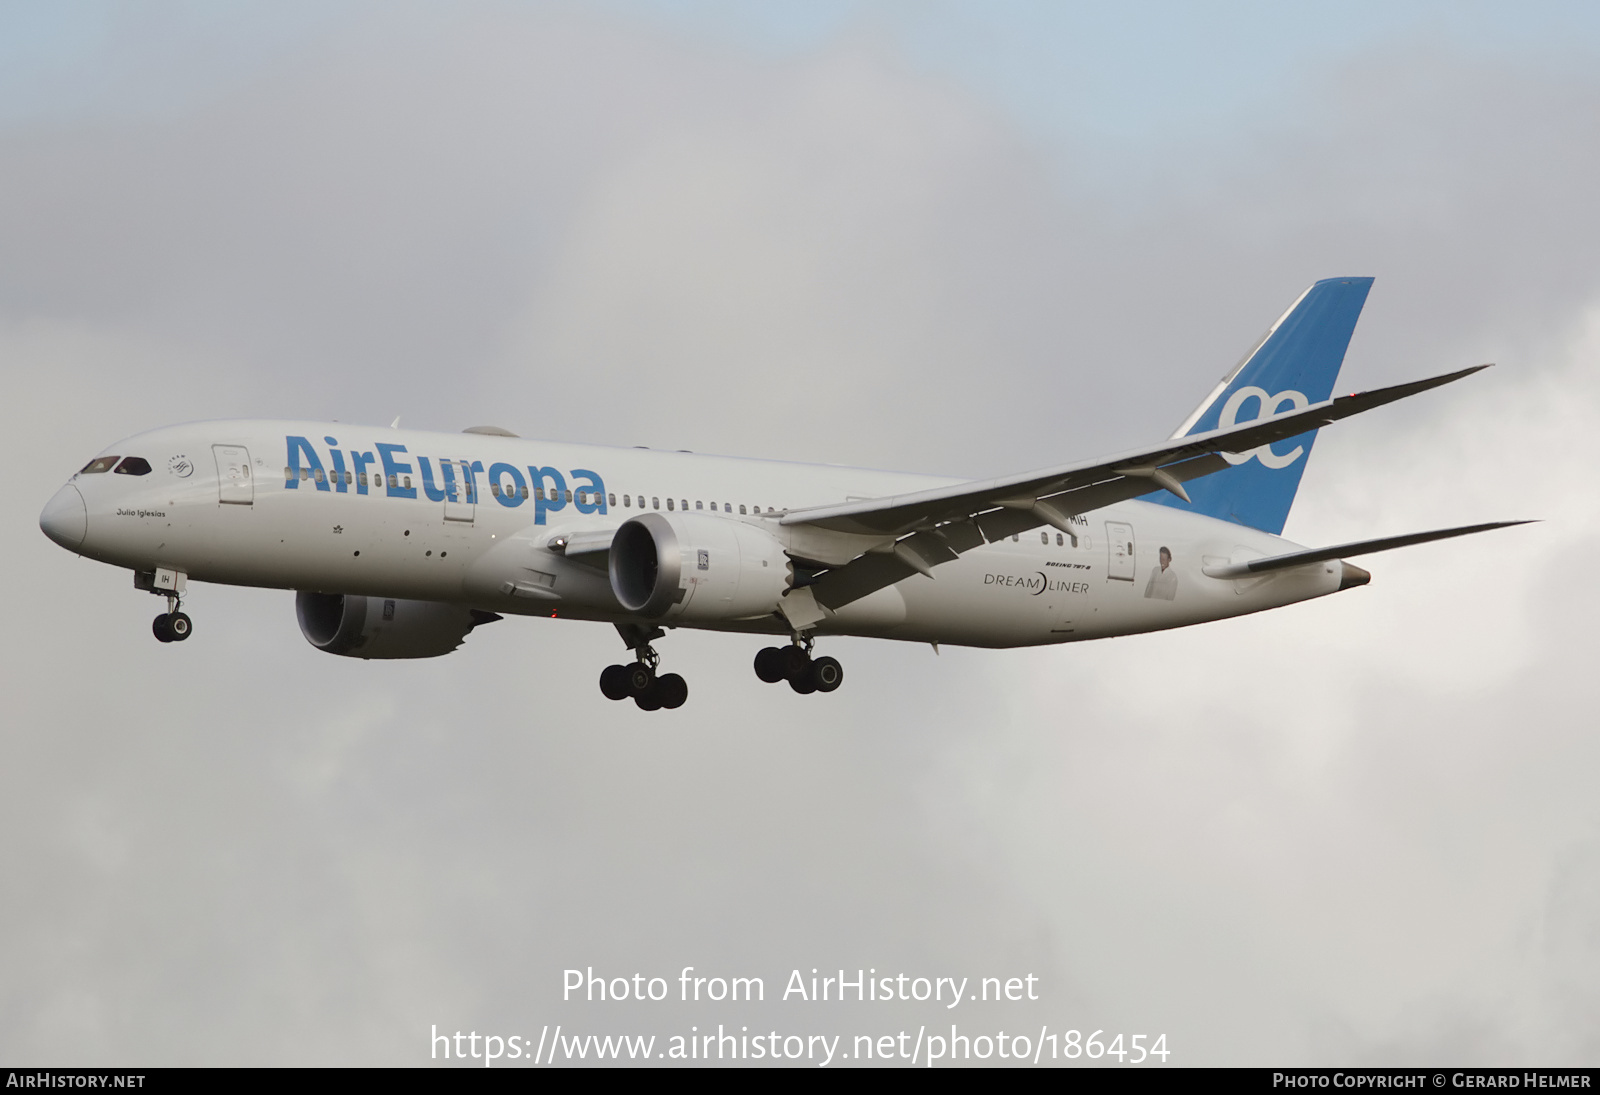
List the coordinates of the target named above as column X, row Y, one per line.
column 400, row 542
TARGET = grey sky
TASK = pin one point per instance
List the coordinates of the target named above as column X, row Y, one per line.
column 1357, row 830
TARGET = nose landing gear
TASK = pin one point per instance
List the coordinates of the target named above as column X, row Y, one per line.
column 795, row 664
column 172, row 626
column 639, row 681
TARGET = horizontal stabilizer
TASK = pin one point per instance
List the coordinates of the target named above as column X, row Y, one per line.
column 1344, row 551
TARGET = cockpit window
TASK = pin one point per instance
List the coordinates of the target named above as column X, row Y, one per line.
column 134, row 465
column 99, row 464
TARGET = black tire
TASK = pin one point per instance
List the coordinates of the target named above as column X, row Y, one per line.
column 672, row 690
column 770, row 664
column 614, row 682
column 641, row 678
column 161, row 628
column 180, row 626
column 828, row 674
column 796, row 663
column 805, row 683
column 650, row 698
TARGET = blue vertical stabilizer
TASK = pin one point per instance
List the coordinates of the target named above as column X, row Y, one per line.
column 1295, row 364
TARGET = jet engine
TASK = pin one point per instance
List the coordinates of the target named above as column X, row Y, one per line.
column 693, row 566
column 384, row 627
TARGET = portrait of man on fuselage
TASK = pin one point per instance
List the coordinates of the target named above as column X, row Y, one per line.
column 1163, row 584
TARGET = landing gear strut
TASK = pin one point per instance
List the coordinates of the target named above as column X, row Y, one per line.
column 639, row 681
column 795, row 664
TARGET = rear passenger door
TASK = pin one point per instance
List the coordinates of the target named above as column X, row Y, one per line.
column 1119, row 551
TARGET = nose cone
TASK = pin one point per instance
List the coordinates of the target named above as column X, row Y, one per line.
column 65, row 518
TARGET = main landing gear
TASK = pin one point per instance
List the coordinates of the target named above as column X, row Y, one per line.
column 795, row 664
column 639, row 681
column 172, row 626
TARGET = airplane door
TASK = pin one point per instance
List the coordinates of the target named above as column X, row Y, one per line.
column 233, row 475
column 464, row 504
column 1119, row 547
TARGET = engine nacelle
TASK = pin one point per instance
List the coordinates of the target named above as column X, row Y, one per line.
column 384, row 627
column 693, row 566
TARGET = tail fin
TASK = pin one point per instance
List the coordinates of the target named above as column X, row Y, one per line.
column 1293, row 365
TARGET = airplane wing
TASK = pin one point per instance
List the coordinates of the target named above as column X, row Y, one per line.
column 926, row 528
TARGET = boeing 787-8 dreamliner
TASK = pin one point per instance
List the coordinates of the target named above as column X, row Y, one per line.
column 399, row 542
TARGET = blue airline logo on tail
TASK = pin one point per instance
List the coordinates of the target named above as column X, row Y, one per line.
column 1294, row 365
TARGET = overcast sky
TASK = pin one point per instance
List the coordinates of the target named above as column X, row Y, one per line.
column 954, row 238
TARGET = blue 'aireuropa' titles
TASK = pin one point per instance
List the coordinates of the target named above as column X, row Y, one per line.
column 548, row 488
column 1295, row 365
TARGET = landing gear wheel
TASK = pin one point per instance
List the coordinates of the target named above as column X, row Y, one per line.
column 614, row 682
column 827, row 673
column 805, row 683
column 770, row 664
column 162, row 628
column 650, row 698
column 671, row 690
column 796, row 663
column 641, row 679
column 179, row 626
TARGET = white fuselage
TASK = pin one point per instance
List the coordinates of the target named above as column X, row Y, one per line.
column 469, row 518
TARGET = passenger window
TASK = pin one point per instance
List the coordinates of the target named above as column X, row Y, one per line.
column 393, row 483
column 613, row 499
column 1044, row 538
column 408, row 482
column 494, row 489
column 569, row 496
column 627, row 502
column 669, row 503
column 741, row 509
column 317, row 475
column 99, row 464
column 655, row 503
column 698, row 504
column 524, row 494
column 1059, row 540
